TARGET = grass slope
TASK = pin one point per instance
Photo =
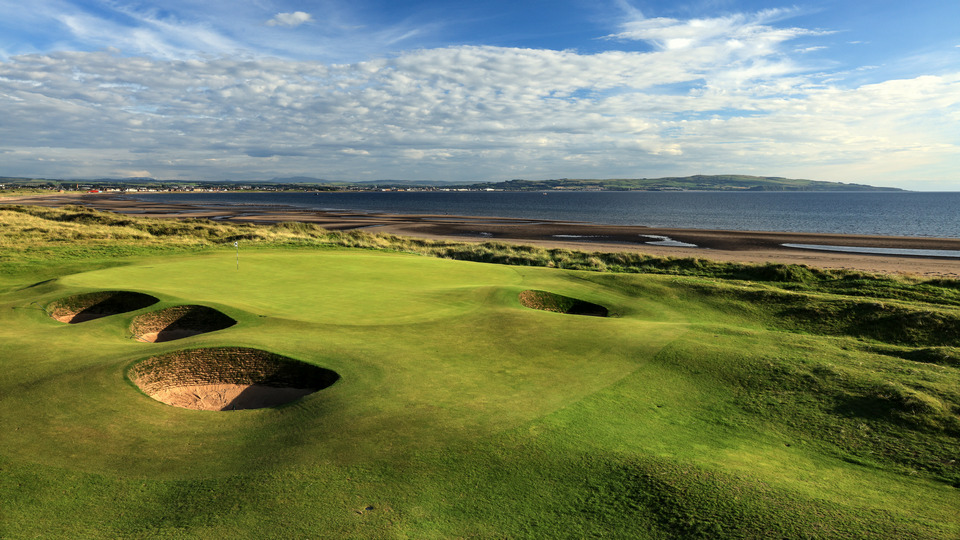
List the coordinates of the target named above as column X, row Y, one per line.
column 702, row 407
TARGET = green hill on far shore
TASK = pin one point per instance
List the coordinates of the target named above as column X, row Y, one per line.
column 721, row 182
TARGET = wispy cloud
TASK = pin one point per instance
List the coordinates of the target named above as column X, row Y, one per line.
column 290, row 19
column 139, row 31
column 184, row 29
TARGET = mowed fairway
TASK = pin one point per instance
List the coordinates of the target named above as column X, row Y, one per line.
column 458, row 412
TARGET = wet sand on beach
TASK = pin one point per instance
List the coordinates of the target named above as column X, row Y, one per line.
column 733, row 246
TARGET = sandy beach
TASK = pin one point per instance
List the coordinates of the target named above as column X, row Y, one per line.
column 734, row 246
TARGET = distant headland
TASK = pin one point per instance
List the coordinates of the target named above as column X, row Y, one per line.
column 720, row 182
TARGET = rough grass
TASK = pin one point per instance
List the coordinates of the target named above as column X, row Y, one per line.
column 19, row 192
column 40, row 233
column 890, row 321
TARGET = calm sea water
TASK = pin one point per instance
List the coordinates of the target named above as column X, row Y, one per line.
column 881, row 213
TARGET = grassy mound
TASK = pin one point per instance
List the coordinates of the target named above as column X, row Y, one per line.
column 89, row 306
column 228, row 378
column 895, row 322
column 548, row 301
column 179, row 322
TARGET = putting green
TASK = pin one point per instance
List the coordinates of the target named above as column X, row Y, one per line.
column 332, row 287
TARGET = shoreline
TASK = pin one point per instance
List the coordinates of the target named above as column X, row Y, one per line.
column 756, row 247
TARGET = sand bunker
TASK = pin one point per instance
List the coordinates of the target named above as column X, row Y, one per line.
column 89, row 306
column 228, row 397
column 228, row 378
column 178, row 322
column 548, row 301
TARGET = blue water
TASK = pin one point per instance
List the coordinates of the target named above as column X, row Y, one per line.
column 922, row 214
column 951, row 253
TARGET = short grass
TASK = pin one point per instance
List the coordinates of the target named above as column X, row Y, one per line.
column 703, row 407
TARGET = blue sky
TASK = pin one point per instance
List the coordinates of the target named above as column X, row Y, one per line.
column 357, row 90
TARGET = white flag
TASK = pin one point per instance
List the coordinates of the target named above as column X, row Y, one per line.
column 236, row 244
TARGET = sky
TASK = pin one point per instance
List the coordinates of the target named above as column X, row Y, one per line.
column 856, row 91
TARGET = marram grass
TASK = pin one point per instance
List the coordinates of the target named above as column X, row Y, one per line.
column 52, row 232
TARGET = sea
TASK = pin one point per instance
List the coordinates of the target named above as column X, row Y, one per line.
column 889, row 213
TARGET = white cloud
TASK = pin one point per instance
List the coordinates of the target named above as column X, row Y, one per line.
column 126, row 173
column 733, row 31
column 290, row 19
column 729, row 99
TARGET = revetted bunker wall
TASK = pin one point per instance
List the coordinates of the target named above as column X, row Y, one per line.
column 88, row 306
column 548, row 301
column 228, row 365
column 179, row 321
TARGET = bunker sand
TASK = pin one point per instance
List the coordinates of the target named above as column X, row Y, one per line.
column 227, row 378
column 178, row 322
column 548, row 301
column 90, row 306
column 228, row 397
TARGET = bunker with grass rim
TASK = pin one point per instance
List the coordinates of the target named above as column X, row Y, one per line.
column 89, row 306
column 228, row 378
column 548, row 301
column 178, row 322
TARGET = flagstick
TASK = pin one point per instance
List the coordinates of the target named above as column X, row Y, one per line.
column 237, row 245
